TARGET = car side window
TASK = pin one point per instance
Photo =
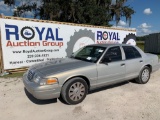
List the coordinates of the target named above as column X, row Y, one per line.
column 136, row 52
column 131, row 52
column 114, row 54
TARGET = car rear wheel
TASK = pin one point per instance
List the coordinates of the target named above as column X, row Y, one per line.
column 74, row 91
column 144, row 75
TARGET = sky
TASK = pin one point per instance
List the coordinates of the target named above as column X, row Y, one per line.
column 146, row 20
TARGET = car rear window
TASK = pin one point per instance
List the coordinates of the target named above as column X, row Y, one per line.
column 131, row 52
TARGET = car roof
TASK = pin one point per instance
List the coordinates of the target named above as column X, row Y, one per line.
column 109, row 45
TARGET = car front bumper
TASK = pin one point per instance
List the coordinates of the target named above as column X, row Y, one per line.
column 41, row 92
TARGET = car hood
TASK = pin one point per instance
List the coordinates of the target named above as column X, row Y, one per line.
column 59, row 65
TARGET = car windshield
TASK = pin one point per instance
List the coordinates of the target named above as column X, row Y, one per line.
column 89, row 53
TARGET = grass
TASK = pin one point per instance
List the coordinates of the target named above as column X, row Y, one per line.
column 141, row 46
column 13, row 75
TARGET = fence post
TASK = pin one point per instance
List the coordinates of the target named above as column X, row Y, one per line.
column 1, row 54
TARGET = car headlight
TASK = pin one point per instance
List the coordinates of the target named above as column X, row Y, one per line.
column 36, row 78
column 44, row 81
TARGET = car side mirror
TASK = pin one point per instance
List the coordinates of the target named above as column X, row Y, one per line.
column 72, row 55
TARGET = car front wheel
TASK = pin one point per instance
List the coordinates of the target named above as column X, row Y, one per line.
column 144, row 75
column 74, row 90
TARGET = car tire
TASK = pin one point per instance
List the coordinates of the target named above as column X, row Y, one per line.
column 74, row 91
column 144, row 76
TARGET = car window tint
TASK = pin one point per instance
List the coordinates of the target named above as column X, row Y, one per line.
column 131, row 52
column 86, row 51
column 114, row 53
column 89, row 53
column 136, row 52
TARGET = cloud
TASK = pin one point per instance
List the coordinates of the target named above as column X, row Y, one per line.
column 2, row 14
column 29, row 13
column 113, row 2
column 147, row 11
column 142, row 32
column 4, row 7
column 14, row 9
column 144, row 26
column 122, row 23
column 144, row 29
column 30, row 2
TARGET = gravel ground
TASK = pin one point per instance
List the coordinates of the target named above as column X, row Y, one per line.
column 124, row 101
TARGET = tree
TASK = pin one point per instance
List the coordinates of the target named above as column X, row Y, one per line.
column 95, row 12
column 128, row 12
column 118, row 10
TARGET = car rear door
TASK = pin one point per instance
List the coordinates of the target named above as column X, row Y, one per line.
column 133, row 61
column 113, row 70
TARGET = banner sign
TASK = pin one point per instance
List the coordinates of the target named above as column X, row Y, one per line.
column 25, row 43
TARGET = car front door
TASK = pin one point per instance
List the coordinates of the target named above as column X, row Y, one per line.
column 111, row 68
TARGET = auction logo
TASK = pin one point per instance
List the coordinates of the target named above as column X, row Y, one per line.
column 45, row 36
column 104, row 37
column 27, row 33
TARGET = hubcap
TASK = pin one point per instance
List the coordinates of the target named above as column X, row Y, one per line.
column 145, row 75
column 76, row 91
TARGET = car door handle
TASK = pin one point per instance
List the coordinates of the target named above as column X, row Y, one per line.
column 122, row 64
column 141, row 61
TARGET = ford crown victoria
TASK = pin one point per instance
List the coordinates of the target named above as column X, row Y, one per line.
column 91, row 67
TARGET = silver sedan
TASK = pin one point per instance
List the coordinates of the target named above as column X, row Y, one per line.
column 89, row 68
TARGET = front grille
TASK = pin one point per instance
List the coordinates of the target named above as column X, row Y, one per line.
column 30, row 75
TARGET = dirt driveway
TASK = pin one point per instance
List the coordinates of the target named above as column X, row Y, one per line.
column 125, row 101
